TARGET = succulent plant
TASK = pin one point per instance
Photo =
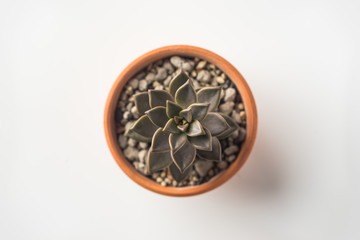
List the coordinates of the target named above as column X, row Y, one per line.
column 181, row 125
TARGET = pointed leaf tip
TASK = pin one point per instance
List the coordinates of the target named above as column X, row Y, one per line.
column 184, row 156
column 159, row 98
column 215, row 123
column 210, row 95
column 142, row 102
column 214, row 154
column 179, row 80
column 185, row 95
column 158, row 116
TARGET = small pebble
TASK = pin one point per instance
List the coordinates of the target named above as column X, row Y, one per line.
column 131, row 153
column 159, row 180
column 163, row 174
column 143, row 85
column 143, row 145
column 163, row 184
column 220, row 80
column 127, row 115
column 193, row 73
column 222, row 165
column 236, row 116
column 226, row 107
column 161, row 74
column 188, row 66
column 230, row 94
column 242, row 134
column 167, row 81
column 167, row 65
column 132, row 142
column 129, row 90
column 243, row 116
column 122, row 141
column 202, row 167
column 204, row 76
column 150, row 77
column 176, row 61
column 134, row 83
column 155, row 175
column 231, row 158
column 142, row 155
column 201, row 65
column 231, row 150
column 134, row 112
column 241, row 106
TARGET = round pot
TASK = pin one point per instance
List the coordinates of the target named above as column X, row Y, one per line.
column 186, row 51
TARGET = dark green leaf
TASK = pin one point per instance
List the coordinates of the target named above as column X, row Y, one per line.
column 159, row 98
column 142, row 102
column 215, row 123
column 177, row 82
column 195, row 129
column 160, row 141
column 177, row 141
column 171, row 127
column 158, row 160
column 158, row 116
column 209, row 95
column 214, row 154
column 185, row 95
column 143, row 127
column 233, row 126
column 186, row 114
column 184, row 156
column 172, row 109
column 137, row 137
column 199, row 110
column 176, row 174
column 202, row 142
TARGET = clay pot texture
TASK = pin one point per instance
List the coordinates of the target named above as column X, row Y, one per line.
column 186, row 51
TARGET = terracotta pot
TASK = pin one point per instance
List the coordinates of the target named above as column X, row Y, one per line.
column 187, row 51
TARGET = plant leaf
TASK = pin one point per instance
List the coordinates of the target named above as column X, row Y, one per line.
column 179, row 80
column 184, row 156
column 214, row 154
column 160, row 141
column 233, row 126
column 158, row 116
column 176, row 174
column 172, row 109
column 202, row 142
column 143, row 127
column 199, row 110
column 209, row 95
column 195, row 129
column 159, row 98
column 186, row 113
column 130, row 133
column 183, row 127
column 177, row 141
column 185, row 95
column 171, row 127
column 158, row 160
column 215, row 123
column 142, row 102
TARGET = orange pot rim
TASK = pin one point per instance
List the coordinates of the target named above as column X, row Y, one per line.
column 185, row 51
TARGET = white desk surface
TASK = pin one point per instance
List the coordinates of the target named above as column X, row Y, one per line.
column 59, row 59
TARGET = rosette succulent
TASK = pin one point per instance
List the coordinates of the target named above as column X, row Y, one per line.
column 181, row 125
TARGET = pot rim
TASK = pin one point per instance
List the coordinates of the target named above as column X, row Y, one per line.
column 185, row 51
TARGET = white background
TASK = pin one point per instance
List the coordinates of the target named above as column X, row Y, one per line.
column 59, row 59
